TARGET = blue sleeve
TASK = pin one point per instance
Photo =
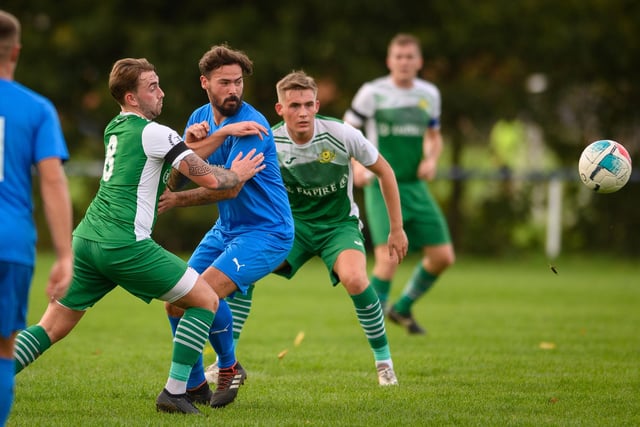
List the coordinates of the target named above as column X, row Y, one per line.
column 49, row 140
column 193, row 118
column 200, row 114
column 247, row 143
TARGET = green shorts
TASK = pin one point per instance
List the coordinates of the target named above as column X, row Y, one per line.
column 423, row 220
column 144, row 269
column 326, row 241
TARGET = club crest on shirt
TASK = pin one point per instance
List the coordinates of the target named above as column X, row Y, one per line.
column 423, row 104
column 326, row 156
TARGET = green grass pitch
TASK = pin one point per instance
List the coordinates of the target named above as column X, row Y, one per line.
column 510, row 343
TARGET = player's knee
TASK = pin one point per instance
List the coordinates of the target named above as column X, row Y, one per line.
column 208, row 298
column 384, row 268
column 215, row 302
column 440, row 260
column 59, row 321
column 201, row 295
column 386, row 265
column 210, row 302
column 172, row 310
column 355, row 284
column 447, row 260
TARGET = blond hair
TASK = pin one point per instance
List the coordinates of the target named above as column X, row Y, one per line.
column 295, row 80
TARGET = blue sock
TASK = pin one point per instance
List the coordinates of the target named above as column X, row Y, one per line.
column 221, row 336
column 7, row 380
column 196, row 378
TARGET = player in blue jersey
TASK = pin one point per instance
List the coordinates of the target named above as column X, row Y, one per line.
column 112, row 244
column 314, row 155
column 30, row 135
column 254, row 231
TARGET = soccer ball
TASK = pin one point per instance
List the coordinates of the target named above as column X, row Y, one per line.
column 605, row 166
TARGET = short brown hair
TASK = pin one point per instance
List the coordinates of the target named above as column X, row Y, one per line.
column 9, row 34
column 125, row 75
column 296, row 80
column 404, row 39
column 220, row 55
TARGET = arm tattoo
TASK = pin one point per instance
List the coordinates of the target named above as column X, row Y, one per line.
column 197, row 167
column 197, row 197
column 226, row 178
column 203, row 196
column 176, row 180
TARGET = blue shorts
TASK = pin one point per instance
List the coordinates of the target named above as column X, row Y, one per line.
column 15, row 282
column 245, row 259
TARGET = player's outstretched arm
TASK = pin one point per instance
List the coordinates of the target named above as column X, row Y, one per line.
column 397, row 243
column 194, row 197
column 205, row 175
column 204, row 145
column 243, row 168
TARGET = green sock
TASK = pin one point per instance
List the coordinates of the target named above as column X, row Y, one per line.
column 419, row 283
column 382, row 288
column 371, row 320
column 240, row 306
column 30, row 344
column 191, row 334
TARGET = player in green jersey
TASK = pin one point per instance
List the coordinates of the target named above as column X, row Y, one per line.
column 112, row 245
column 315, row 155
column 400, row 113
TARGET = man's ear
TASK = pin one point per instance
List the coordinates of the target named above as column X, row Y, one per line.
column 15, row 53
column 130, row 99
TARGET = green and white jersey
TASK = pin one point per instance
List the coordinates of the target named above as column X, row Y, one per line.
column 317, row 174
column 395, row 120
column 139, row 154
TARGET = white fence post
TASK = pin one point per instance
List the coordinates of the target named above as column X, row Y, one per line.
column 554, row 218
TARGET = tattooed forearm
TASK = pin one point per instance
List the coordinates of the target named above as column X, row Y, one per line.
column 197, row 197
column 197, row 167
column 226, row 178
column 176, row 180
column 204, row 196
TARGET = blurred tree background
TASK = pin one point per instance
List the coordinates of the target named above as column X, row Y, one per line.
column 526, row 85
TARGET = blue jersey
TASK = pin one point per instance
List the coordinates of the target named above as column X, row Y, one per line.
column 262, row 204
column 29, row 132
